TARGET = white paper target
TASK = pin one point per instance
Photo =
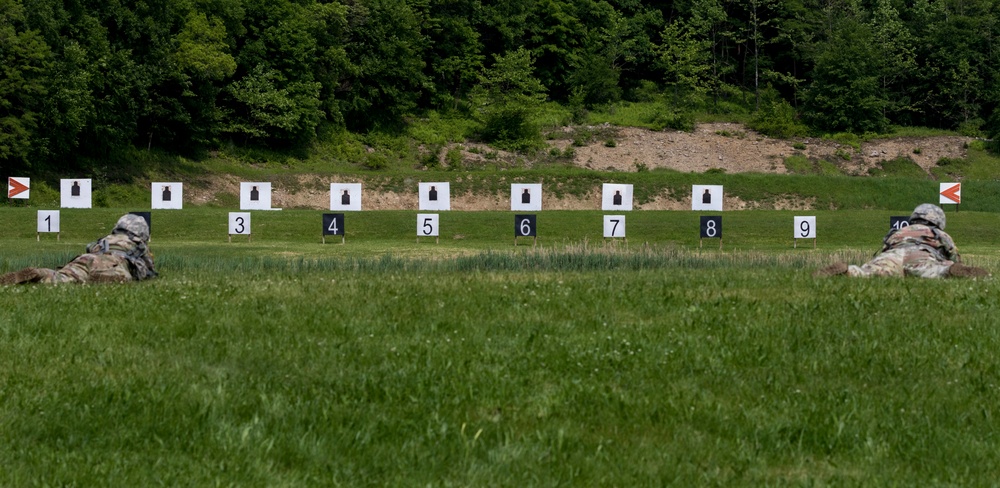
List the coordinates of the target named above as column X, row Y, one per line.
column 805, row 227
column 239, row 223
column 168, row 196
column 706, row 197
column 255, row 196
column 616, row 196
column 427, row 225
column 526, row 196
column 48, row 221
column 435, row 196
column 345, row 196
column 75, row 193
column 614, row 226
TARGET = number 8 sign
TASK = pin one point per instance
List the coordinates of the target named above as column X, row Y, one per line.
column 711, row 227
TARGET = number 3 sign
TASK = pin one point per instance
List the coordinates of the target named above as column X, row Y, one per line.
column 239, row 224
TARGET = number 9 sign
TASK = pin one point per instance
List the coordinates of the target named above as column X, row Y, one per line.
column 805, row 227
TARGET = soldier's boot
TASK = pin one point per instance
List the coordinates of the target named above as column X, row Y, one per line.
column 832, row 270
column 959, row 270
column 26, row 275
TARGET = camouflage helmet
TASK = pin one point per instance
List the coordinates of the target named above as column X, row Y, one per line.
column 133, row 225
column 930, row 213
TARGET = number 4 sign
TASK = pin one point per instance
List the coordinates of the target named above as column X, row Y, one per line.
column 333, row 225
column 805, row 228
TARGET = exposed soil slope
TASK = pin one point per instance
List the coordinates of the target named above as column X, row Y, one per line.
column 725, row 146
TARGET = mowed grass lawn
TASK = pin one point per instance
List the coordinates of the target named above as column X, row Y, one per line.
column 388, row 362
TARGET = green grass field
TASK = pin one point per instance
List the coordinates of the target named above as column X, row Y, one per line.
column 385, row 361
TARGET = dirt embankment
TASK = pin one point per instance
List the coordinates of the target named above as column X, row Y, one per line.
column 724, row 146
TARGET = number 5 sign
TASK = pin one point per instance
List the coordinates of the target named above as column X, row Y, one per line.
column 805, row 228
column 427, row 226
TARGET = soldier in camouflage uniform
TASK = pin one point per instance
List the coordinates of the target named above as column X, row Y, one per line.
column 921, row 249
column 120, row 256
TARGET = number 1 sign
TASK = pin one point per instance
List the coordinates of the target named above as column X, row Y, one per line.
column 805, row 228
column 48, row 221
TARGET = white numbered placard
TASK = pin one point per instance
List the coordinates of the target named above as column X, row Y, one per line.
column 345, row 196
column 616, row 197
column 239, row 223
column 169, row 196
column 427, row 225
column 805, row 227
column 255, row 196
column 526, row 196
column 75, row 193
column 435, row 196
column 614, row 226
column 18, row 187
column 48, row 221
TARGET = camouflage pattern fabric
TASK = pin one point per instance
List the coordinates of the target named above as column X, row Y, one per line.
column 114, row 259
column 916, row 250
column 89, row 268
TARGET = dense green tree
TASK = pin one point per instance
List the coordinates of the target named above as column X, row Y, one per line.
column 27, row 70
column 507, row 97
column 385, row 46
column 845, row 93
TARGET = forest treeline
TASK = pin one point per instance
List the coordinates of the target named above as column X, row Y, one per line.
column 83, row 79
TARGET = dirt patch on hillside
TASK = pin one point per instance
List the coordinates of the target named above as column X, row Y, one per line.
column 720, row 146
column 736, row 149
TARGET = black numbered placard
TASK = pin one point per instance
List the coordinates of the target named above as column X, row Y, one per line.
column 333, row 224
column 525, row 226
column 898, row 222
column 711, row 226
